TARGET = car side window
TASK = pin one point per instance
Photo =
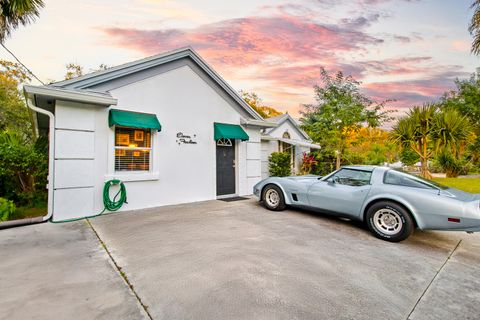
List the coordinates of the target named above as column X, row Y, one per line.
column 400, row 179
column 351, row 177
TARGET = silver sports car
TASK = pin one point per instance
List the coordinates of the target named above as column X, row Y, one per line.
column 392, row 203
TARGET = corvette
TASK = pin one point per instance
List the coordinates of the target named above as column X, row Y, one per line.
column 390, row 202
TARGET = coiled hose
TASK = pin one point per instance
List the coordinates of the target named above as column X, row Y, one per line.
column 109, row 204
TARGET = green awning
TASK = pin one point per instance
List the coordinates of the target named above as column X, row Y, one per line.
column 133, row 119
column 229, row 131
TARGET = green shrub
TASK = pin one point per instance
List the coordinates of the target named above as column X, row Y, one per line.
column 450, row 165
column 7, row 208
column 24, row 169
column 279, row 164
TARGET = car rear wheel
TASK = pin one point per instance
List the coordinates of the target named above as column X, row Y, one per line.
column 273, row 198
column 389, row 221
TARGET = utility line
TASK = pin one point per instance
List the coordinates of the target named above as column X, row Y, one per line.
column 18, row 60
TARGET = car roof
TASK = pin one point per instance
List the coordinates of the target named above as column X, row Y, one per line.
column 365, row 168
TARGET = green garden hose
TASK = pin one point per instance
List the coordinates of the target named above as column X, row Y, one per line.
column 109, row 204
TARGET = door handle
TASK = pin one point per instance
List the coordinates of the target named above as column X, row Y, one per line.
column 233, row 163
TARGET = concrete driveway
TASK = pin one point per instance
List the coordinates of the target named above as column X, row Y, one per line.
column 217, row 260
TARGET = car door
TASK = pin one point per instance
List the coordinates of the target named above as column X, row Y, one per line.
column 344, row 192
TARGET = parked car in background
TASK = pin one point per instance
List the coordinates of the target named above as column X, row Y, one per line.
column 392, row 203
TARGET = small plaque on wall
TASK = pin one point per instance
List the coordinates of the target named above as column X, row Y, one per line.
column 185, row 139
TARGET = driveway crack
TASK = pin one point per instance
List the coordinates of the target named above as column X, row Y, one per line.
column 119, row 269
column 433, row 279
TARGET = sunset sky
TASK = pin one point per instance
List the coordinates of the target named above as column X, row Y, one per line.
column 408, row 50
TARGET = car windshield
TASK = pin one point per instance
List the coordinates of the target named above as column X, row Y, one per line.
column 410, row 180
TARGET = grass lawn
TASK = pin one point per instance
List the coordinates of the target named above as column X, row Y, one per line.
column 465, row 184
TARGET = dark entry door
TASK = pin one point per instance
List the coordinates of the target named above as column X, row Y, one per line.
column 226, row 168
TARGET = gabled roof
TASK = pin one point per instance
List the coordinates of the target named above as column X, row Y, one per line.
column 279, row 120
column 96, row 78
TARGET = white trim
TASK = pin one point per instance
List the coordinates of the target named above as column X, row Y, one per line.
column 293, row 142
column 71, row 95
column 258, row 123
column 129, row 176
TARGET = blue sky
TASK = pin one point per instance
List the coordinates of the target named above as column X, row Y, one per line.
column 407, row 50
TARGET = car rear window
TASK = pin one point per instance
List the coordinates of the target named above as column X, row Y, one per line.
column 404, row 179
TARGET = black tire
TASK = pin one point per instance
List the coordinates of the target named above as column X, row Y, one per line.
column 273, row 198
column 389, row 221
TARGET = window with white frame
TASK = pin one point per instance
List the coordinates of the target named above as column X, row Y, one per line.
column 133, row 149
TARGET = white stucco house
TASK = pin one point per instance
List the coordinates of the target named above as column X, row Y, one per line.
column 286, row 136
column 168, row 126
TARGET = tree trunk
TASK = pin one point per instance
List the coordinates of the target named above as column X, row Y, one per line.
column 424, row 172
column 339, row 159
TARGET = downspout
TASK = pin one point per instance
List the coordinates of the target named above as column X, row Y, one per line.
column 51, row 155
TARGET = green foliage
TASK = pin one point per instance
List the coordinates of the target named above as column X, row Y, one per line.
column 340, row 108
column 474, row 27
column 17, row 12
column 256, row 103
column 279, row 164
column 23, row 174
column 409, row 157
column 452, row 166
column 466, row 101
column 14, row 114
column 325, row 162
column 7, row 209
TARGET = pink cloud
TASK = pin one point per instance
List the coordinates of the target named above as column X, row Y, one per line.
column 281, row 56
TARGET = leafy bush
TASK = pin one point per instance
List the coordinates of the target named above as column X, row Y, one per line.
column 23, row 173
column 279, row 164
column 409, row 157
column 452, row 166
column 7, row 208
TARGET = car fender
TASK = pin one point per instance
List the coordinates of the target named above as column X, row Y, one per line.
column 395, row 198
column 279, row 183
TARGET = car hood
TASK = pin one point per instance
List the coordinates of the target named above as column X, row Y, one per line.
column 305, row 180
column 460, row 195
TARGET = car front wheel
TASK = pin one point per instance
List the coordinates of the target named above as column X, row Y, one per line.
column 389, row 221
column 273, row 198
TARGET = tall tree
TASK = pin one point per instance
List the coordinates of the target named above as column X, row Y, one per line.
column 474, row 26
column 14, row 114
column 17, row 12
column 340, row 108
column 257, row 104
column 466, row 100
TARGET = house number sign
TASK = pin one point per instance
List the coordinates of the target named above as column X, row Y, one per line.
column 185, row 139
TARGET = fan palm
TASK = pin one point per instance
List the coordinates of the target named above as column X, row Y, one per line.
column 451, row 131
column 17, row 12
column 415, row 132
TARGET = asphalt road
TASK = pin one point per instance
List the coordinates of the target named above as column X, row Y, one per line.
column 218, row 260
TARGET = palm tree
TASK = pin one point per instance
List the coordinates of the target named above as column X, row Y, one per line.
column 415, row 132
column 17, row 12
column 451, row 132
column 474, row 27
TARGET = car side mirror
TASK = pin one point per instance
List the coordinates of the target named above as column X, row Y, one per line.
column 333, row 180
